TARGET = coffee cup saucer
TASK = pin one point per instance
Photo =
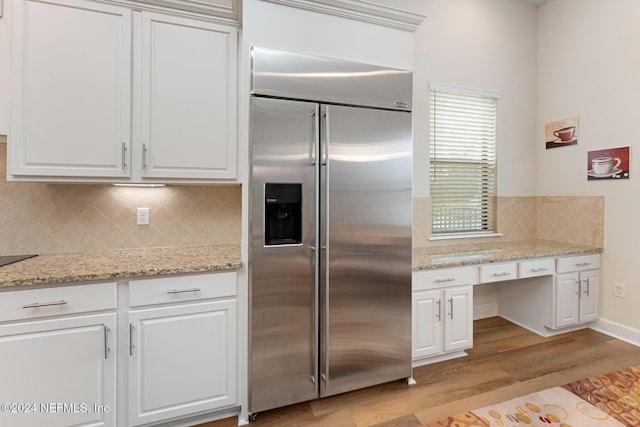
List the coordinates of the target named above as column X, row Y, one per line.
column 568, row 141
column 614, row 171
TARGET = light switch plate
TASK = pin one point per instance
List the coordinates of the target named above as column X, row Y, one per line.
column 142, row 216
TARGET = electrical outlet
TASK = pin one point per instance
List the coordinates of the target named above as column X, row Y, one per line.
column 142, row 216
column 618, row 290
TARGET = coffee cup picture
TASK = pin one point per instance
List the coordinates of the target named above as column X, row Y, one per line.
column 604, row 165
column 608, row 164
column 566, row 133
column 562, row 133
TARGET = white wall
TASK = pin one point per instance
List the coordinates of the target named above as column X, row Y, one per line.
column 483, row 44
column 589, row 66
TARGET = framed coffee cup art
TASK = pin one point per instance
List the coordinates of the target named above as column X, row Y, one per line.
column 612, row 163
column 561, row 133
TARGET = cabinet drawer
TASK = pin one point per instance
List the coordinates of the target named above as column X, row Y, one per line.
column 578, row 263
column 498, row 272
column 57, row 301
column 534, row 268
column 444, row 277
column 164, row 290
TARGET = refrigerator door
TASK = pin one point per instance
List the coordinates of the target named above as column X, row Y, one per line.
column 283, row 287
column 366, row 219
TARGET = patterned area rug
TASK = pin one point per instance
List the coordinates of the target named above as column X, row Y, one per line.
column 606, row 400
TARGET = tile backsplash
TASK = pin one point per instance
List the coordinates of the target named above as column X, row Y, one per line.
column 58, row 218
column 570, row 219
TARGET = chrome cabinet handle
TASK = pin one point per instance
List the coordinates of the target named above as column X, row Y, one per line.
column 45, row 304
column 131, row 339
column 537, row 270
column 450, row 308
column 182, row 291
column 438, row 313
column 106, row 341
column 124, row 155
column 579, row 287
column 582, row 264
column 445, row 280
column 504, row 273
column 144, row 156
column 586, row 286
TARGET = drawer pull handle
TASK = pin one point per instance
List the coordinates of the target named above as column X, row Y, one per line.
column 582, row 264
column 182, row 291
column 538, row 270
column 45, row 304
column 504, row 273
column 448, row 279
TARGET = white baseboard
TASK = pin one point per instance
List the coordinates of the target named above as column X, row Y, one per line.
column 617, row 330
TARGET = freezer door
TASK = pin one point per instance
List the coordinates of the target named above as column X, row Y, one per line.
column 283, row 283
column 366, row 248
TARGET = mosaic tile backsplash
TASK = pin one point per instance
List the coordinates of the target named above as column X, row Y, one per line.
column 571, row 219
column 64, row 218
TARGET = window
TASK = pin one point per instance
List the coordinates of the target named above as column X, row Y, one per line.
column 462, row 160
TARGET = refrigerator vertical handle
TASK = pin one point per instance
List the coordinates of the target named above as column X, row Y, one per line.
column 313, row 149
column 324, row 151
column 324, row 244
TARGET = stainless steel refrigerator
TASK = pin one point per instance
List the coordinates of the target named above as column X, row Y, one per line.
column 330, row 219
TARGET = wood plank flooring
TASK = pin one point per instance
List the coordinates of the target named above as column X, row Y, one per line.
column 506, row 361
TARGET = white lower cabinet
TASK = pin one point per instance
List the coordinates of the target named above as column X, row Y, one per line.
column 576, row 291
column 576, row 298
column 182, row 350
column 58, row 370
column 442, row 321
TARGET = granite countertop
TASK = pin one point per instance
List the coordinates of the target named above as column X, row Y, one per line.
column 459, row 255
column 119, row 264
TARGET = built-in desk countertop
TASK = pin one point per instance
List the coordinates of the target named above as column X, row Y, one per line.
column 475, row 254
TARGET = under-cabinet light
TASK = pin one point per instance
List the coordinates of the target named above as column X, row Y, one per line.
column 140, row 185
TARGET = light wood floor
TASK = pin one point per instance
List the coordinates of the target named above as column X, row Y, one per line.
column 506, row 361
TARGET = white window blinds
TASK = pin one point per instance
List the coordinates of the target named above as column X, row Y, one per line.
column 462, row 161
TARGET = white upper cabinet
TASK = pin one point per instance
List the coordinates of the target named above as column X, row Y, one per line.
column 71, row 89
column 119, row 95
column 188, row 98
column 228, row 10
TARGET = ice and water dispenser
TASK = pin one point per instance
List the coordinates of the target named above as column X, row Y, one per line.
column 282, row 214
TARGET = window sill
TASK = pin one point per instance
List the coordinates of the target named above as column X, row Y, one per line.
column 464, row 236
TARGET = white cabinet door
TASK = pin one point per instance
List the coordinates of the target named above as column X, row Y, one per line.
column 427, row 323
column 576, row 298
column 188, row 98
column 182, row 360
column 71, row 89
column 589, row 296
column 566, row 299
column 442, row 320
column 53, row 363
column 458, row 323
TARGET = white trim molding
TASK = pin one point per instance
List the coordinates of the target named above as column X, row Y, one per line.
column 360, row 10
column 617, row 330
